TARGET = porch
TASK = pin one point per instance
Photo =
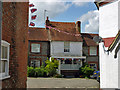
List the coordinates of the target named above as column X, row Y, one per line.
column 69, row 63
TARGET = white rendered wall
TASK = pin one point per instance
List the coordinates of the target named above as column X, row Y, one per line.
column 119, row 68
column 108, row 20
column 109, row 25
column 108, row 69
column 57, row 48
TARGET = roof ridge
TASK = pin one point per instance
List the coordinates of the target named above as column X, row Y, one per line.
column 62, row 22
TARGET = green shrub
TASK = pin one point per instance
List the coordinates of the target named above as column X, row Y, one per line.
column 51, row 67
column 49, row 70
column 30, row 72
column 86, row 71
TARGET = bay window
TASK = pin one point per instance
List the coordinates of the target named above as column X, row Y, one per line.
column 4, row 62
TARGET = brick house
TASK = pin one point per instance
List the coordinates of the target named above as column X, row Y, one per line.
column 91, row 50
column 39, row 46
column 14, row 44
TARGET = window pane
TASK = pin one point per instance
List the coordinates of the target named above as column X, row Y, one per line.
column 35, row 63
column 2, row 66
column 5, row 52
column 2, row 52
column 93, row 50
column 66, row 46
column 35, row 48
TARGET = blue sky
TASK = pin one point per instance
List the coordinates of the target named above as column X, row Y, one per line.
column 86, row 12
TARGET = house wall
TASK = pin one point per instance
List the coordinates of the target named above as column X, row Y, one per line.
column 108, row 69
column 91, row 59
column 119, row 68
column 15, row 32
column 109, row 24
column 44, row 51
column 108, row 20
column 57, row 48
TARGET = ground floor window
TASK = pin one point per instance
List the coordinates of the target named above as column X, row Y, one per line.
column 4, row 62
column 93, row 66
column 35, row 63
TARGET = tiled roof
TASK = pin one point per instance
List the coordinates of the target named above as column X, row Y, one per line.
column 53, row 35
column 66, row 27
column 39, row 34
column 115, row 41
column 88, row 39
column 108, row 41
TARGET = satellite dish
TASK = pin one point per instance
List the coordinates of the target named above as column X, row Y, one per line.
column 97, row 39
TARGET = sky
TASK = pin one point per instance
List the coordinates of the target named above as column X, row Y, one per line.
column 71, row 11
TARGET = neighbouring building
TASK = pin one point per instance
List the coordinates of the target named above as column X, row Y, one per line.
column 39, row 46
column 91, row 50
column 64, row 42
column 66, row 46
column 109, row 26
column 14, row 44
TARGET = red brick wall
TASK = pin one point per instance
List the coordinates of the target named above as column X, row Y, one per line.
column 15, row 31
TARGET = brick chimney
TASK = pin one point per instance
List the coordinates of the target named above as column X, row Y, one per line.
column 47, row 22
column 78, row 27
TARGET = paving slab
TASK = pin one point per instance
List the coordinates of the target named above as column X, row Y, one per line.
column 68, row 83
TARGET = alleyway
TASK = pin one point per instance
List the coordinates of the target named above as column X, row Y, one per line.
column 61, row 83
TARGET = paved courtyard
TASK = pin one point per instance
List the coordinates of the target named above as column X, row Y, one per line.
column 61, row 83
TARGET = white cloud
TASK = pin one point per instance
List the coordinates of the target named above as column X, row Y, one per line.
column 91, row 21
column 53, row 9
column 77, row 3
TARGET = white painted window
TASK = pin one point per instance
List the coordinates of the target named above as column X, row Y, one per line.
column 93, row 50
column 35, row 63
column 4, row 62
column 66, row 46
column 93, row 66
column 35, row 48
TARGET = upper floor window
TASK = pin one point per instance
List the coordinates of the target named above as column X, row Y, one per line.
column 35, row 48
column 93, row 50
column 4, row 62
column 66, row 46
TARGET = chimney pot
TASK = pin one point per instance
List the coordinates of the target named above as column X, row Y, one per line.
column 78, row 26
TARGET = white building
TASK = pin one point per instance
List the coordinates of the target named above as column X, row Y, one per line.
column 109, row 26
column 66, row 46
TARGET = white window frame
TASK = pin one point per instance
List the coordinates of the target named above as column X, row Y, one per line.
column 93, row 51
column 67, row 47
column 6, row 74
column 32, row 48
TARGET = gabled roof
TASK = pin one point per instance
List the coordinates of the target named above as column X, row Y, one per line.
column 88, row 39
column 68, row 27
column 39, row 34
column 102, row 2
column 115, row 41
column 108, row 41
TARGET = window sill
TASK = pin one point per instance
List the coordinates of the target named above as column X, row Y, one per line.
column 5, row 77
